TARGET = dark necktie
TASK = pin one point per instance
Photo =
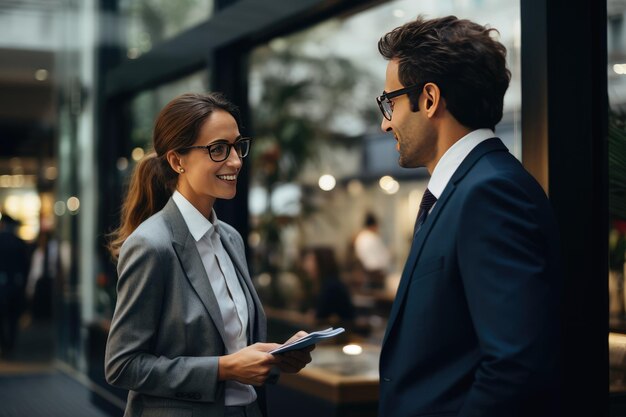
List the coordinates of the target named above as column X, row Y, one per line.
column 428, row 200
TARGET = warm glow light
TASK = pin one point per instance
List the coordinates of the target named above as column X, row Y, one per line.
column 51, row 173
column 327, row 182
column 352, row 350
column 41, row 74
column 389, row 184
column 73, row 204
column 619, row 69
column 137, row 154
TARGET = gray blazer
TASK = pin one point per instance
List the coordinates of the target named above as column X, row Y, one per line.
column 167, row 331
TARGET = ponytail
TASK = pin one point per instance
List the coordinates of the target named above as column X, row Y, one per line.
column 151, row 186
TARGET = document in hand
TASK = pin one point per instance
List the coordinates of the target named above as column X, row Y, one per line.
column 309, row 339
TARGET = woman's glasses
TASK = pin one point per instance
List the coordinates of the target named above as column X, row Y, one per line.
column 220, row 150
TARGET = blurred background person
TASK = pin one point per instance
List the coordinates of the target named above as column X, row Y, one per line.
column 13, row 272
column 372, row 253
column 44, row 267
column 329, row 300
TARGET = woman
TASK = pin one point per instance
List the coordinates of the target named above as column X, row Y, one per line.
column 330, row 296
column 187, row 324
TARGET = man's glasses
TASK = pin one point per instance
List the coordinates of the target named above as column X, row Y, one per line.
column 219, row 151
column 386, row 105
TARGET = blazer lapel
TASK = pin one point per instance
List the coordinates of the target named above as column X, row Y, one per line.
column 481, row 149
column 187, row 252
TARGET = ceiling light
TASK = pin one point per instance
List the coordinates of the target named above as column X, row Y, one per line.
column 41, row 74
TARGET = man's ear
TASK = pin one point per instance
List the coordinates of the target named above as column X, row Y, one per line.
column 431, row 96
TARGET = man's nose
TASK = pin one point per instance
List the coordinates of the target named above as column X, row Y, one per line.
column 385, row 126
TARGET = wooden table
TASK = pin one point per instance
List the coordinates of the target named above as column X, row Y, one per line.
column 333, row 384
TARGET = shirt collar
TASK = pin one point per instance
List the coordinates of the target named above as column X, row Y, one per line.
column 198, row 225
column 453, row 157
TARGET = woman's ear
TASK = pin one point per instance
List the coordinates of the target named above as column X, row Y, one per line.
column 174, row 159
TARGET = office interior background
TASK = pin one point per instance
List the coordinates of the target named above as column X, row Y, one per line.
column 82, row 81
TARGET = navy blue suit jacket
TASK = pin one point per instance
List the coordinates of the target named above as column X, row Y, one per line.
column 474, row 327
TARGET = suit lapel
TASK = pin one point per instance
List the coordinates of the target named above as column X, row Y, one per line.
column 481, row 149
column 187, row 252
column 416, row 250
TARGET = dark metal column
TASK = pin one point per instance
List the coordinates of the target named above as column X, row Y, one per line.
column 564, row 113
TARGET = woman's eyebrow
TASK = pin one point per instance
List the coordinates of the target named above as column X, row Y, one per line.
column 222, row 140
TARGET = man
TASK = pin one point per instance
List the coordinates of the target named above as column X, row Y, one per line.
column 474, row 327
column 372, row 252
column 13, row 272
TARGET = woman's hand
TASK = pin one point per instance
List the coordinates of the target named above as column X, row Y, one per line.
column 294, row 360
column 251, row 365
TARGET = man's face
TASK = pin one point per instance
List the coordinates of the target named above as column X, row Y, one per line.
column 413, row 131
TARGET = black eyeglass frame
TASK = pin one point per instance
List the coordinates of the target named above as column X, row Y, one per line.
column 385, row 98
column 220, row 142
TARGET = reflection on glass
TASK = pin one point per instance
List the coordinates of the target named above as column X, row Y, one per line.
column 145, row 107
column 149, row 22
column 616, row 70
column 315, row 118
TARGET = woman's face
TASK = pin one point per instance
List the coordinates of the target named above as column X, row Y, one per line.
column 202, row 180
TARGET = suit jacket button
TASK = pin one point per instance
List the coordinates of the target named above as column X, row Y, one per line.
column 387, row 379
column 197, row 396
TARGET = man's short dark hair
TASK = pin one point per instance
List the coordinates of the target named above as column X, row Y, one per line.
column 370, row 220
column 461, row 57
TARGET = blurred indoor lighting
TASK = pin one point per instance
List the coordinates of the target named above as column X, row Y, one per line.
column 389, row 184
column 51, row 173
column 17, row 181
column 352, row 350
column 327, row 182
column 41, row 74
column 59, row 208
column 137, row 154
column 73, row 204
column 619, row 69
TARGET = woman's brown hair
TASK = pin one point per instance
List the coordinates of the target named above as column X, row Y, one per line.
column 153, row 180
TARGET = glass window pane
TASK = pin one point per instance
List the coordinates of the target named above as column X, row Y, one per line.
column 616, row 48
column 320, row 161
column 150, row 22
column 142, row 111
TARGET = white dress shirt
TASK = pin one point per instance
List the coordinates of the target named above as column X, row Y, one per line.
column 453, row 157
column 228, row 292
column 371, row 251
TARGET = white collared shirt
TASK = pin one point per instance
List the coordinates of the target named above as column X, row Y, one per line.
column 226, row 286
column 453, row 157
